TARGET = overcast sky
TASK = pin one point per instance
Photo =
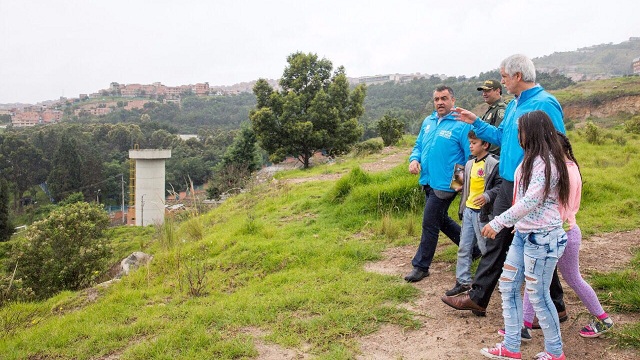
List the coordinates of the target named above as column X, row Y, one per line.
column 53, row 48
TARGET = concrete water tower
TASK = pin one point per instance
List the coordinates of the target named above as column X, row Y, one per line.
column 148, row 179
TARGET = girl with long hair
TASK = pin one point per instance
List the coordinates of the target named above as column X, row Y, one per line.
column 541, row 188
column 569, row 262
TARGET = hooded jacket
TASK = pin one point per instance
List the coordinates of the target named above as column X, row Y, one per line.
column 439, row 147
column 492, row 182
column 506, row 135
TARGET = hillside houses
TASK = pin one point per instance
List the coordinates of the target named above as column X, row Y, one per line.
column 35, row 115
column 103, row 108
column 138, row 94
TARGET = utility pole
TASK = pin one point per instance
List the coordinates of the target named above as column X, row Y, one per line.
column 122, row 186
column 142, row 210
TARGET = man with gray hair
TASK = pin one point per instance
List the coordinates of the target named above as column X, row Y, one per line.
column 518, row 76
column 492, row 95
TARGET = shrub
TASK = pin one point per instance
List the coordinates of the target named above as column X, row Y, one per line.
column 620, row 140
column 633, row 125
column 72, row 198
column 368, row 147
column 390, row 129
column 13, row 290
column 228, row 179
column 593, row 133
column 65, row 251
column 570, row 125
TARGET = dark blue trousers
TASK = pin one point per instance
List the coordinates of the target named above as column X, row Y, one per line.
column 434, row 219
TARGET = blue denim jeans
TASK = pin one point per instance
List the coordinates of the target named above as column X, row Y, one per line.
column 534, row 257
column 434, row 219
column 469, row 237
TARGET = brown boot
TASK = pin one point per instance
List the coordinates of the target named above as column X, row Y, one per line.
column 463, row 302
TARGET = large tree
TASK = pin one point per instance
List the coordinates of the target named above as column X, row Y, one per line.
column 244, row 152
column 21, row 164
column 6, row 228
column 66, row 176
column 313, row 111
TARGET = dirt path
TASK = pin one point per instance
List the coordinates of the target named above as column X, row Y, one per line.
column 450, row 334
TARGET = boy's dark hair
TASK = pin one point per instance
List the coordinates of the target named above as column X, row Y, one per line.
column 472, row 135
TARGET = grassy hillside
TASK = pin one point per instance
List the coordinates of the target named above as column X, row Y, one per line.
column 598, row 92
column 285, row 259
column 593, row 61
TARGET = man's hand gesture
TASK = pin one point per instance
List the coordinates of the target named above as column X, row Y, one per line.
column 464, row 115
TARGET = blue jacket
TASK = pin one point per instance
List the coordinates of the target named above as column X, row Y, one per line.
column 438, row 148
column 506, row 135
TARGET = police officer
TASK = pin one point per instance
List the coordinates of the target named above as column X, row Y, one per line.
column 492, row 95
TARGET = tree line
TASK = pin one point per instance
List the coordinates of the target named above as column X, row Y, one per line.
column 72, row 158
column 315, row 109
column 191, row 115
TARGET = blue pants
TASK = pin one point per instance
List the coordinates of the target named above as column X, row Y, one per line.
column 533, row 258
column 434, row 219
column 469, row 237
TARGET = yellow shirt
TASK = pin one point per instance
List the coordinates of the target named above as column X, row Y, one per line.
column 476, row 183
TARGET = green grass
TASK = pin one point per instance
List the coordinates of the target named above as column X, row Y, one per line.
column 287, row 260
column 611, row 179
column 342, row 165
column 598, row 91
column 273, row 263
column 620, row 291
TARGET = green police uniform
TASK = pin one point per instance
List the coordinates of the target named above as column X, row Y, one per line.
column 494, row 116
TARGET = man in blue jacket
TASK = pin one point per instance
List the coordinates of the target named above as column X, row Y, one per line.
column 441, row 144
column 519, row 76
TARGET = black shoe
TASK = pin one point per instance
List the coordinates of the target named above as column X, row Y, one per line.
column 525, row 335
column 562, row 316
column 458, row 289
column 416, row 275
column 479, row 313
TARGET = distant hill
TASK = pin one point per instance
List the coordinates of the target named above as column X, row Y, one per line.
column 608, row 102
column 594, row 62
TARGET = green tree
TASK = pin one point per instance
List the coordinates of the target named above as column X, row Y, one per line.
column 22, row 164
column 390, row 129
column 66, row 251
column 244, row 152
column 66, row 176
column 315, row 110
column 240, row 160
column 123, row 137
column 6, row 227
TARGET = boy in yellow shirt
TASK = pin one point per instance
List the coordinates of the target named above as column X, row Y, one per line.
column 480, row 188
